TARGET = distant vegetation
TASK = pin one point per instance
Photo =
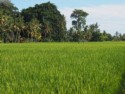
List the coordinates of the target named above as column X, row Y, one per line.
column 44, row 22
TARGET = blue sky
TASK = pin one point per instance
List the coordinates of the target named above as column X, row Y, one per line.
column 109, row 14
column 66, row 3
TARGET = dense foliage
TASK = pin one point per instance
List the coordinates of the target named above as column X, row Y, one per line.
column 53, row 24
column 44, row 22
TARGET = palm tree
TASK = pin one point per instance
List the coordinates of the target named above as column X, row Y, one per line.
column 33, row 29
column 18, row 26
column 5, row 26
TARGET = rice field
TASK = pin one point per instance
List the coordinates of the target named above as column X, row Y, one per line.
column 62, row 68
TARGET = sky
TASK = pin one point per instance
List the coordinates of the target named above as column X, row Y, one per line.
column 109, row 14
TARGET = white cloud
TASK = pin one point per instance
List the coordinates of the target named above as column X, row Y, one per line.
column 110, row 17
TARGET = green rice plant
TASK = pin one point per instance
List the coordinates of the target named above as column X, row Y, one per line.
column 62, row 68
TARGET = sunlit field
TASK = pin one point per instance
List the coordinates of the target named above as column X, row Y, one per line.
column 62, row 68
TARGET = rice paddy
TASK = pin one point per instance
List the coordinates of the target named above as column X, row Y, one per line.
column 62, row 68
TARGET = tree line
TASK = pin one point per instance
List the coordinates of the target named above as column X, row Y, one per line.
column 44, row 22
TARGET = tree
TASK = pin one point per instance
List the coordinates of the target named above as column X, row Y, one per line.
column 96, row 34
column 18, row 27
column 80, row 21
column 123, row 37
column 88, row 35
column 35, row 29
column 52, row 21
column 5, row 27
column 7, row 20
column 106, row 36
column 7, row 7
column 116, row 36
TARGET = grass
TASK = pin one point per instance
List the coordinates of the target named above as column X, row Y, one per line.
column 62, row 68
